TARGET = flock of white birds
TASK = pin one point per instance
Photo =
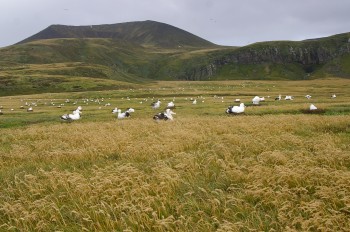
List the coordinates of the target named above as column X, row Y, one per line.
column 167, row 114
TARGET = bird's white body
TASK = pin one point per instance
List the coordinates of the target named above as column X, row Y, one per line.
column 73, row 116
column 115, row 110
column 171, row 105
column 130, row 110
column 236, row 109
column 156, row 105
column 313, row 107
column 256, row 100
column 69, row 117
column 121, row 115
column 169, row 113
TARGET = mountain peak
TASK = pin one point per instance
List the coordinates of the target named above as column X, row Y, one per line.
column 141, row 32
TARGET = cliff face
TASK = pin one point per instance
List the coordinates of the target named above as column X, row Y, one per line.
column 307, row 54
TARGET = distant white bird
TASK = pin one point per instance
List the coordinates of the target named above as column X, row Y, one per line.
column 262, row 99
column 289, row 98
column 236, row 109
column 169, row 113
column 194, row 101
column 115, row 110
column 130, row 110
column 30, row 109
column 308, row 96
column 123, row 115
column 78, row 110
column 156, row 105
column 313, row 107
column 71, row 117
column 171, row 105
column 333, row 96
column 278, row 98
column 256, row 100
column 237, row 100
column 160, row 116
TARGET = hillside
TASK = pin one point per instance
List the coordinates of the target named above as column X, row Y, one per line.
column 143, row 33
column 139, row 52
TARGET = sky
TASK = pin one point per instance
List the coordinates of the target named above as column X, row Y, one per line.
column 223, row 22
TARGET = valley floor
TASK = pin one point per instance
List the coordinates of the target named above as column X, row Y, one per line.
column 273, row 168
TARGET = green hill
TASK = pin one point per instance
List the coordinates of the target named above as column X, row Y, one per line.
column 144, row 33
column 78, row 58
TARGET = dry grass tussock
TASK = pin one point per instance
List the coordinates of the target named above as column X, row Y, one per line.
column 249, row 173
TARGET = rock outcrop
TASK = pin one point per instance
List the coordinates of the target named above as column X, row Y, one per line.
column 306, row 53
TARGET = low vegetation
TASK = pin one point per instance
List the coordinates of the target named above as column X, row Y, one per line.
column 274, row 168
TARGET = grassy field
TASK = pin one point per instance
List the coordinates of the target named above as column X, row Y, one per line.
column 270, row 169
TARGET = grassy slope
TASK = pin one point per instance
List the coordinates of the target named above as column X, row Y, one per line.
column 62, row 60
column 270, row 169
column 25, row 66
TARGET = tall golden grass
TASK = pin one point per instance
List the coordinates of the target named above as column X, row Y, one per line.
column 289, row 172
column 204, row 171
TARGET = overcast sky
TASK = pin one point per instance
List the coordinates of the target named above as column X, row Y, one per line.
column 224, row 22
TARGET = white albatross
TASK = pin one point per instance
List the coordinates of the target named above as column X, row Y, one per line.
column 256, row 100
column 313, row 107
column 123, row 115
column 171, row 105
column 167, row 115
column 156, row 105
column 115, row 110
column 71, row 117
column 236, row 109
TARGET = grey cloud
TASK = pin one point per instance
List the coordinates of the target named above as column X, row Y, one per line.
column 225, row 22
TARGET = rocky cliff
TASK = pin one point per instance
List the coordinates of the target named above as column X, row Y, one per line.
column 309, row 55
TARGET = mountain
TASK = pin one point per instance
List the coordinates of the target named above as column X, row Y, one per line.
column 143, row 33
column 78, row 58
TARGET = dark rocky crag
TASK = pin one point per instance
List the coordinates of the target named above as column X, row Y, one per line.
column 308, row 54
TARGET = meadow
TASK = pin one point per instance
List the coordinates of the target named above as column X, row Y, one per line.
column 273, row 168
